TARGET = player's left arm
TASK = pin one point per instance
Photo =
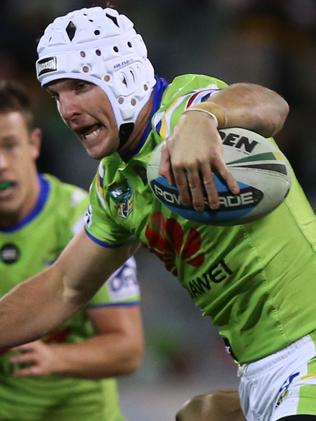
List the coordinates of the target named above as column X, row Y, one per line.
column 115, row 349
column 252, row 107
column 195, row 149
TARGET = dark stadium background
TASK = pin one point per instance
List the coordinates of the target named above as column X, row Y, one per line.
column 268, row 42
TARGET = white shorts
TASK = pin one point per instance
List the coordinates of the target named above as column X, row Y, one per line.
column 281, row 384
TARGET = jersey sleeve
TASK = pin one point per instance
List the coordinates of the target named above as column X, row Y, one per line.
column 184, row 92
column 121, row 288
column 101, row 222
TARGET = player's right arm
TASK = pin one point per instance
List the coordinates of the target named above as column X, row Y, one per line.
column 43, row 302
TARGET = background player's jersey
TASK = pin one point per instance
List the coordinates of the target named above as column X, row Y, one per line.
column 257, row 281
column 25, row 249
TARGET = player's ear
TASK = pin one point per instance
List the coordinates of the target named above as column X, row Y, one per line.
column 36, row 141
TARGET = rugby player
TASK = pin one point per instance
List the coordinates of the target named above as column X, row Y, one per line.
column 68, row 373
column 255, row 281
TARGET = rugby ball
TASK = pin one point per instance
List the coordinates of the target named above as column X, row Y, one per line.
column 256, row 163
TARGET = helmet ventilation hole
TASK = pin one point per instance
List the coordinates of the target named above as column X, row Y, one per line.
column 133, row 75
column 113, row 19
column 71, row 30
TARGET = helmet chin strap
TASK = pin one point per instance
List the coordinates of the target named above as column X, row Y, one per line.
column 125, row 132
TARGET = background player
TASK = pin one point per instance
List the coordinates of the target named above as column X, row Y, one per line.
column 67, row 374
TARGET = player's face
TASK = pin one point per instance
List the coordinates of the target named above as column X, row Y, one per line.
column 19, row 148
column 86, row 109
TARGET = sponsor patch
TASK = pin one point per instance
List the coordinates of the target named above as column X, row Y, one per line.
column 46, row 65
column 122, row 195
column 123, row 284
column 9, row 253
column 248, row 197
column 284, row 390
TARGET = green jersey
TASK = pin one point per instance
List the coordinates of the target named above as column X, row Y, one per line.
column 257, row 281
column 25, row 249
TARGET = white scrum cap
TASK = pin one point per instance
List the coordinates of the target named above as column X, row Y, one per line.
column 100, row 46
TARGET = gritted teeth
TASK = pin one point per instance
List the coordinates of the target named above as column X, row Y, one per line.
column 85, row 131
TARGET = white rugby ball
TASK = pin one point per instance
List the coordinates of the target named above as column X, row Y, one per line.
column 256, row 163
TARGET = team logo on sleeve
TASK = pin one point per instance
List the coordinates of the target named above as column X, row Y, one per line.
column 125, row 208
column 122, row 196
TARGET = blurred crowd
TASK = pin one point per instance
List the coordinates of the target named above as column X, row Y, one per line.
column 262, row 41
